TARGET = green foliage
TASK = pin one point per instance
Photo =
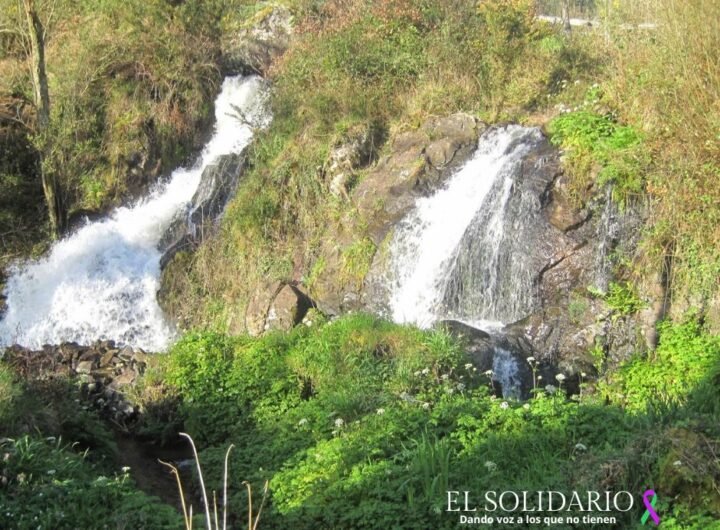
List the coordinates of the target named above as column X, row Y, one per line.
column 685, row 359
column 9, row 392
column 594, row 139
column 48, row 485
column 621, row 298
column 359, row 423
column 356, row 261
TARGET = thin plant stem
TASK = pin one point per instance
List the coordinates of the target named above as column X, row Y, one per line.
column 225, row 482
column 174, row 471
column 202, row 482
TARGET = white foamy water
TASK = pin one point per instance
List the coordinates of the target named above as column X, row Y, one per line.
column 101, row 282
column 426, row 245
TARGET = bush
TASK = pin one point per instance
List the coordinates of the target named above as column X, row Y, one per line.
column 47, row 485
column 359, row 424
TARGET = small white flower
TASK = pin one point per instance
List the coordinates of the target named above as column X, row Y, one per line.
column 550, row 389
column 417, row 373
column 531, row 359
column 339, row 422
column 445, row 377
column 460, row 387
column 504, row 405
column 490, row 466
column 468, row 366
column 380, row 411
column 425, row 371
column 526, row 406
column 539, row 377
column 580, row 447
column 125, row 469
column 450, row 390
column 488, row 373
column 302, row 422
column 583, row 374
column 426, row 406
column 560, row 377
column 677, row 463
column 51, row 472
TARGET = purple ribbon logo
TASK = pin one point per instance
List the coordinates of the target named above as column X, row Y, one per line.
column 650, row 507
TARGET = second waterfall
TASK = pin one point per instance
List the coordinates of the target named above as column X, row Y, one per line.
column 461, row 252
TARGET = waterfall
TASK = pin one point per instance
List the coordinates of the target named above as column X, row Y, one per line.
column 469, row 251
column 101, row 282
column 458, row 254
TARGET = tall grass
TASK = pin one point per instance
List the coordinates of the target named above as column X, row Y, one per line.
column 666, row 81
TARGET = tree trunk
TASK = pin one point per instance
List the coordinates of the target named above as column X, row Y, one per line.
column 50, row 184
column 566, row 16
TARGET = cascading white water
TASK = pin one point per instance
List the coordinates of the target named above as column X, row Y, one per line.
column 101, row 282
column 430, row 244
column 462, row 253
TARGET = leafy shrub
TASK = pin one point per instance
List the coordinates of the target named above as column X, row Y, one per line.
column 50, row 486
column 685, row 356
column 593, row 139
column 359, row 423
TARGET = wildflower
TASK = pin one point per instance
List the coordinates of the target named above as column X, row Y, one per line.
column 125, row 469
column 530, row 359
column 425, row 371
column 417, row 373
column 302, row 422
column 426, row 406
column 460, row 387
column 488, row 373
column 450, row 390
column 490, row 466
column 504, row 405
column 468, row 366
column 550, row 389
column 539, row 377
column 526, row 406
column 339, row 422
column 51, row 472
column 380, row 411
column 580, row 447
column 677, row 463
column 583, row 374
column 560, row 377
column 445, row 377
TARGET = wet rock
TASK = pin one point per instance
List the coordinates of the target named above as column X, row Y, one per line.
column 258, row 42
column 503, row 353
column 217, row 184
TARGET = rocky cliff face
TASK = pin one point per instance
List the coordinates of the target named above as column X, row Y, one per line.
column 417, row 163
column 569, row 253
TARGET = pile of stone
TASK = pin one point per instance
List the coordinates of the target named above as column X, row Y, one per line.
column 104, row 371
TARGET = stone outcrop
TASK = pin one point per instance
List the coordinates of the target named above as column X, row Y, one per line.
column 355, row 150
column 418, row 162
column 276, row 306
column 217, row 184
column 253, row 47
column 105, row 370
